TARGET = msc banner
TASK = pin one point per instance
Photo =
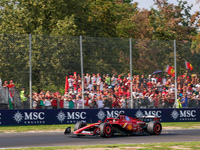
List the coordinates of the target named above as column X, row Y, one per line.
column 71, row 116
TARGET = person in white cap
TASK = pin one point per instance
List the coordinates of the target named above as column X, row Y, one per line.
column 149, row 78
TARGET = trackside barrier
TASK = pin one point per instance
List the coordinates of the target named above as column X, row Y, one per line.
column 71, row 116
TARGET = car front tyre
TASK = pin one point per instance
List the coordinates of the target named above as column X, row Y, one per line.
column 79, row 125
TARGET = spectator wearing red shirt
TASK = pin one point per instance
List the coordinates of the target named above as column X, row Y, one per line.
column 11, row 85
column 117, row 93
column 115, row 103
column 149, row 84
column 128, row 94
column 122, row 92
column 80, row 89
column 159, row 78
column 86, row 102
column 54, row 101
column 144, row 92
column 189, row 87
column 188, row 79
column 75, row 83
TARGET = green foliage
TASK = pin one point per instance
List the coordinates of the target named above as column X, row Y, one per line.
column 36, row 16
column 172, row 22
column 56, row 25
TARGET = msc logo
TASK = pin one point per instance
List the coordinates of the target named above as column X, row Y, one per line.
column 28, row 116
column 61, row 116
column 34, row 116
column 108, row 114
column 139, row 113
column 186, row 114
column 76, row 115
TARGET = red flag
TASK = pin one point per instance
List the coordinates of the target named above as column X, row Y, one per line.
column 170, row 70
column 66, row 84
column 188, row 65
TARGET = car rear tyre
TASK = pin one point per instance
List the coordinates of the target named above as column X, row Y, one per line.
column 79, row 125
column 106, row 130
column 154, row 127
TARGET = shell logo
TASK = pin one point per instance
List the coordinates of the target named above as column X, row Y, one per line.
column 129, row 127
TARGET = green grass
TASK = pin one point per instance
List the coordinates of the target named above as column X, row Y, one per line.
column 175, row 125
column 150, row 146
column 182, row 125
column 34, row 128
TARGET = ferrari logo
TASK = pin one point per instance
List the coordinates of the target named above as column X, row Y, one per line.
column 172, row 71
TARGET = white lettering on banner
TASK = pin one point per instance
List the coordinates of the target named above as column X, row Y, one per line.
column 187, row 113
column 153, row 113
column 114, row 114
column 158, row 113
column 184, row 115
column 76, row 115
column 74, row 121
column 109, row 114
column 34, row 122
column 30, row 117
column 34, row 116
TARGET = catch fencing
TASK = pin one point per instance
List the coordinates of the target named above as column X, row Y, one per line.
column 41, row 62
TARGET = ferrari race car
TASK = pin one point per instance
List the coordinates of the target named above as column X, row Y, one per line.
column 123, row 125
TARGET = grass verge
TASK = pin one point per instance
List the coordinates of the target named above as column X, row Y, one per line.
column 151, row 146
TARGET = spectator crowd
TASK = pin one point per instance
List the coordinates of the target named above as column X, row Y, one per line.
column 111, row 91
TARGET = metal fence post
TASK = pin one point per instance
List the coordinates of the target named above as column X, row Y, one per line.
column 82, row 77
column 175, row 102
column 30, row 71
column 130, row 44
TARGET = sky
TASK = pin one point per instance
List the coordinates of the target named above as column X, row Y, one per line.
column 149, row 3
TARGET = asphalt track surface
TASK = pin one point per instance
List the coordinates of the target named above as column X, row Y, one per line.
column 40, row 139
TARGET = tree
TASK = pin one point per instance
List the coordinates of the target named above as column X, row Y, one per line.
column 36, row 16
column 172, row 21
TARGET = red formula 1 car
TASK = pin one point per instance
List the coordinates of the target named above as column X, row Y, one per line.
column 123, row 125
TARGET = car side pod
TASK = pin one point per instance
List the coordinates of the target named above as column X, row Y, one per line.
column 67, row 130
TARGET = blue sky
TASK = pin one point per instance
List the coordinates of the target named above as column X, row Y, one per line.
column 148, row 3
